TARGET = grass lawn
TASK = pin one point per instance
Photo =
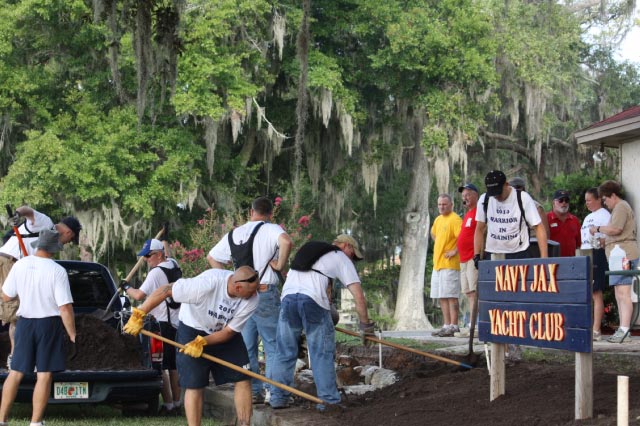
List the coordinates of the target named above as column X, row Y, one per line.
column 88, row 415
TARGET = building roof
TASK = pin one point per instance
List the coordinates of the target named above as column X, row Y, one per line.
column 613, row 131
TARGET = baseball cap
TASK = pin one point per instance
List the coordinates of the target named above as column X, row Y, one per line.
column 151, row 245
column 73, row 224
column 344, row 238
column 494, row 180
column 48, row 240
column 561, row 193
column 517, row 182
column 468, row 186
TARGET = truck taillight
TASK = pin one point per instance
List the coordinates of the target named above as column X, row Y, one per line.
column 156, row 350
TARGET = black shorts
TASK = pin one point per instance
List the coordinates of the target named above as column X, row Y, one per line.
column 194, row 373
column 39, row 344
column 600, row 266
column 168, row 351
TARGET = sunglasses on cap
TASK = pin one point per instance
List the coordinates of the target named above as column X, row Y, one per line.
column 563, row 200
column 151, row 253
column 248, row 280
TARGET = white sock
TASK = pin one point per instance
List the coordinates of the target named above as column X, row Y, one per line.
column 168, row 406
column 624, row 329
column 36, row 424
column 177, row 404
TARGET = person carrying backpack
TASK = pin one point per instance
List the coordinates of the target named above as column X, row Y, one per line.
column 265, row 247
column 306, row 307
column 162, row 270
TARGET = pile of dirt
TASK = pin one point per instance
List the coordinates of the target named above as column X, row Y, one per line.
column 537, row 393
column 98, row 347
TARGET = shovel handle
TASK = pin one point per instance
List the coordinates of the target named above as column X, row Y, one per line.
column 405, row 348
column 17, row 233
column 238, row 369
column 140, row 261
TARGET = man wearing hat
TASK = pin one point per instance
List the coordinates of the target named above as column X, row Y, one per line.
column 305, row 307
column 505, row 221
column 565, row 227
column 162, row 270
column 42, row 322
column 468, row 271
column 68, row 230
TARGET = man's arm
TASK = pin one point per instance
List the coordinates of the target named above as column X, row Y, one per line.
column 215, row 264
column 221, row 336
column 541, row 236
column 68, row 320
column 135, row 293
column 544, row 221
column 27, row 212
column 478, row 238
column 156, row 298
column 284, row 244
column 6, row 298
column 361, row 303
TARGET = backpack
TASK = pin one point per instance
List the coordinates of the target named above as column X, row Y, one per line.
column 242, row 254
column 173, row 275
column 309, row 254
column 485, row 206
column 11, row 232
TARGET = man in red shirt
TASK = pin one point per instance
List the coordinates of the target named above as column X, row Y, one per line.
column 468, row 271
column 565, row 227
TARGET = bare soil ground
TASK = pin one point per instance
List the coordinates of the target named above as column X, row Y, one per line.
column 538, row 392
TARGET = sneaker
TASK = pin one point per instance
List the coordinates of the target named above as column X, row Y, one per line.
column 620, row 337
column 597, row 336
column 267, row 396
column 462, row 333
column 280, row 406
column 436, row 333
column 448, row 332
column 257, row 398
column 164, row 411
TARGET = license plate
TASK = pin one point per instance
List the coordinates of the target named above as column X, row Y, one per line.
column 71, row 390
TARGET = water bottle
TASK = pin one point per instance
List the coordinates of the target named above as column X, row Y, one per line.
column 616, row 257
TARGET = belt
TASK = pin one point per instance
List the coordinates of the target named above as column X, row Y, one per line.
column 8, row 256
column 264, row 287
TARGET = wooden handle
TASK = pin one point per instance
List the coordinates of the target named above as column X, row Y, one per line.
column 140, row 261
column 239, row 369
column 404, row 348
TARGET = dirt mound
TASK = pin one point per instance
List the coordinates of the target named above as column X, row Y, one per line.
column 99, row 347
column 537, row 393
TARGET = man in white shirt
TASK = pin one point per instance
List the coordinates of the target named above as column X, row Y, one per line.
column 41, row 322
column 215, row 307
column 306, row 306
column 162, row 270
column 265, row 247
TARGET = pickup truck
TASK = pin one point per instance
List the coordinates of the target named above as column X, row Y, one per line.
column 94, row 289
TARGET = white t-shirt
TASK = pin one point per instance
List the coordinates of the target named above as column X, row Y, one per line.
column 41, row 284
column 40, row 221
column 506, row 233
column 264, row 245
column 207, row 306
column 334, row 264
column 600, row 217
column 156, row 278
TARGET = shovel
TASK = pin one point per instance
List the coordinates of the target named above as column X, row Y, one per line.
column 239, row 369
column 106, row 314
column 472, row 357
column 405, row 348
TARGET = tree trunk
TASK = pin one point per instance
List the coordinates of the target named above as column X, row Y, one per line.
column 409, row 314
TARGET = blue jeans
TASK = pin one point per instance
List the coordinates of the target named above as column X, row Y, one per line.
column 299, row 312
column 263, row 323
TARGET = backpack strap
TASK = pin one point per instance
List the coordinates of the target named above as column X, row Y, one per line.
column 233, row 246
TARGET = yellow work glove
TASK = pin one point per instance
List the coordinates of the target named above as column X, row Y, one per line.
column 135, row 323
column 195, row 347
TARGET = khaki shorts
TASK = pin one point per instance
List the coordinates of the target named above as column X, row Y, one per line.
column 468, row 276
column 445, row 284
column 7, row 309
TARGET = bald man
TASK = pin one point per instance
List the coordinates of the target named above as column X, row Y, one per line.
column 215, row 307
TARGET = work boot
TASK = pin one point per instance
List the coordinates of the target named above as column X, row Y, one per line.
column 448, row 331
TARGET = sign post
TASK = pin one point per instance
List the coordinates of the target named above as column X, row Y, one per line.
column 539, row 302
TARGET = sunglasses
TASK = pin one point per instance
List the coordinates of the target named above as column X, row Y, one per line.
column 563, row 200
column 148, row 255
column 248, row 280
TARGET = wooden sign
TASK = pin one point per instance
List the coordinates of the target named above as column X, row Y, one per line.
column 536, row 302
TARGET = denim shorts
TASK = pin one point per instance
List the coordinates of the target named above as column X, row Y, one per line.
column 623, row 279
column 194, row 373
